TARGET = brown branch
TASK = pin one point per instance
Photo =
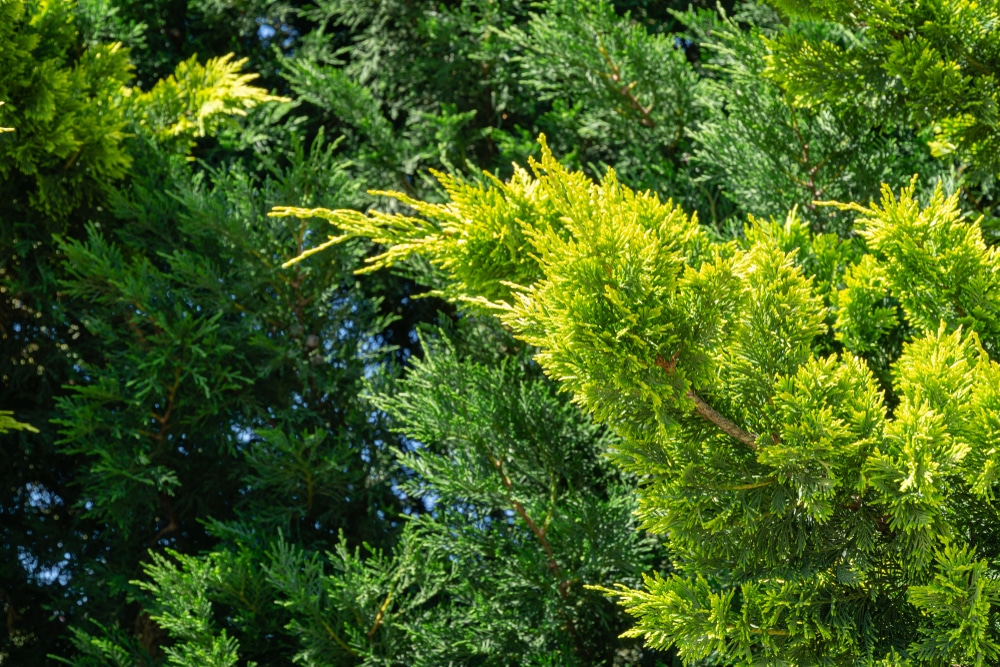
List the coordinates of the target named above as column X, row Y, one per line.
column 804, row 161
column 310, row 492
column 166, row 530
column 707, row 412
column 725, row 425
column 300, row 239
column 668, row 366
column 72, row 159
column 626, row 91
column 748, row 487
column 171, row 397
column 12, row 616
column 335, row 637
column 552, row 503
column 563, row 586
column 141, row 337
column 523, row 513
column 769, row 631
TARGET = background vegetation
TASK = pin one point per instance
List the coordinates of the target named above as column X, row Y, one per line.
column 231, row 462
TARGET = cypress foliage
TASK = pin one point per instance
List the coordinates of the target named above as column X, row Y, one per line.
column 252, row 452
column 72, row 111
column 815, row 515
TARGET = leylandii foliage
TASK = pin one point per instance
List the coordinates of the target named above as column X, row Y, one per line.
column 931, row 62
column 816, row 420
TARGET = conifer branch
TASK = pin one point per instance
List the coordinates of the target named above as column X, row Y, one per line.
column 523, row 513
column 164, row 419
column 381, row 614
column 625, row 90
column 335, row 637
column 540, row 534
column 709, row 413
column 749, row 486
column 725, row 425
column 552, row 503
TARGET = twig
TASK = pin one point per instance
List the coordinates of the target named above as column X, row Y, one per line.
column 335, row 637
column 725, row 425
column 523, row 513
column 707, row 412
column 625, row 90
column 552, row 503
column 380, row 614
column 563, row 586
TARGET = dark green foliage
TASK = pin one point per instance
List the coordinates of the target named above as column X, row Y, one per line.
column 522, row 500
column 621, row 94
column 225, row 383
column 70, row 113
column 522, row 512
column 767, row 155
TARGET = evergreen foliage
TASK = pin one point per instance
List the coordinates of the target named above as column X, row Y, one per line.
column 933, row 58
column 75, row 136
column 815, row 514
column 8, row 423
column 769, row 155
column 250, row 451
column 68, row 126
column 522, row 512
column 225, row 393
column 928, row 65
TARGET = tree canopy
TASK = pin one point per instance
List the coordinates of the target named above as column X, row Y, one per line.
column 645, row 333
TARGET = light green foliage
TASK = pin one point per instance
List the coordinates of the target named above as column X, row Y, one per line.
column 186, row 612
column 457, row 246
column 65, row 108
column 71, row 106
column 936, row 264
column 937, row 60
column 180, row 584
column 8, row 423
column 194, row 100
column 817, row 513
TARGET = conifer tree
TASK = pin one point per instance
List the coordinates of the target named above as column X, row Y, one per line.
column 776, row 395
column 817, row 512
column 71, row 110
